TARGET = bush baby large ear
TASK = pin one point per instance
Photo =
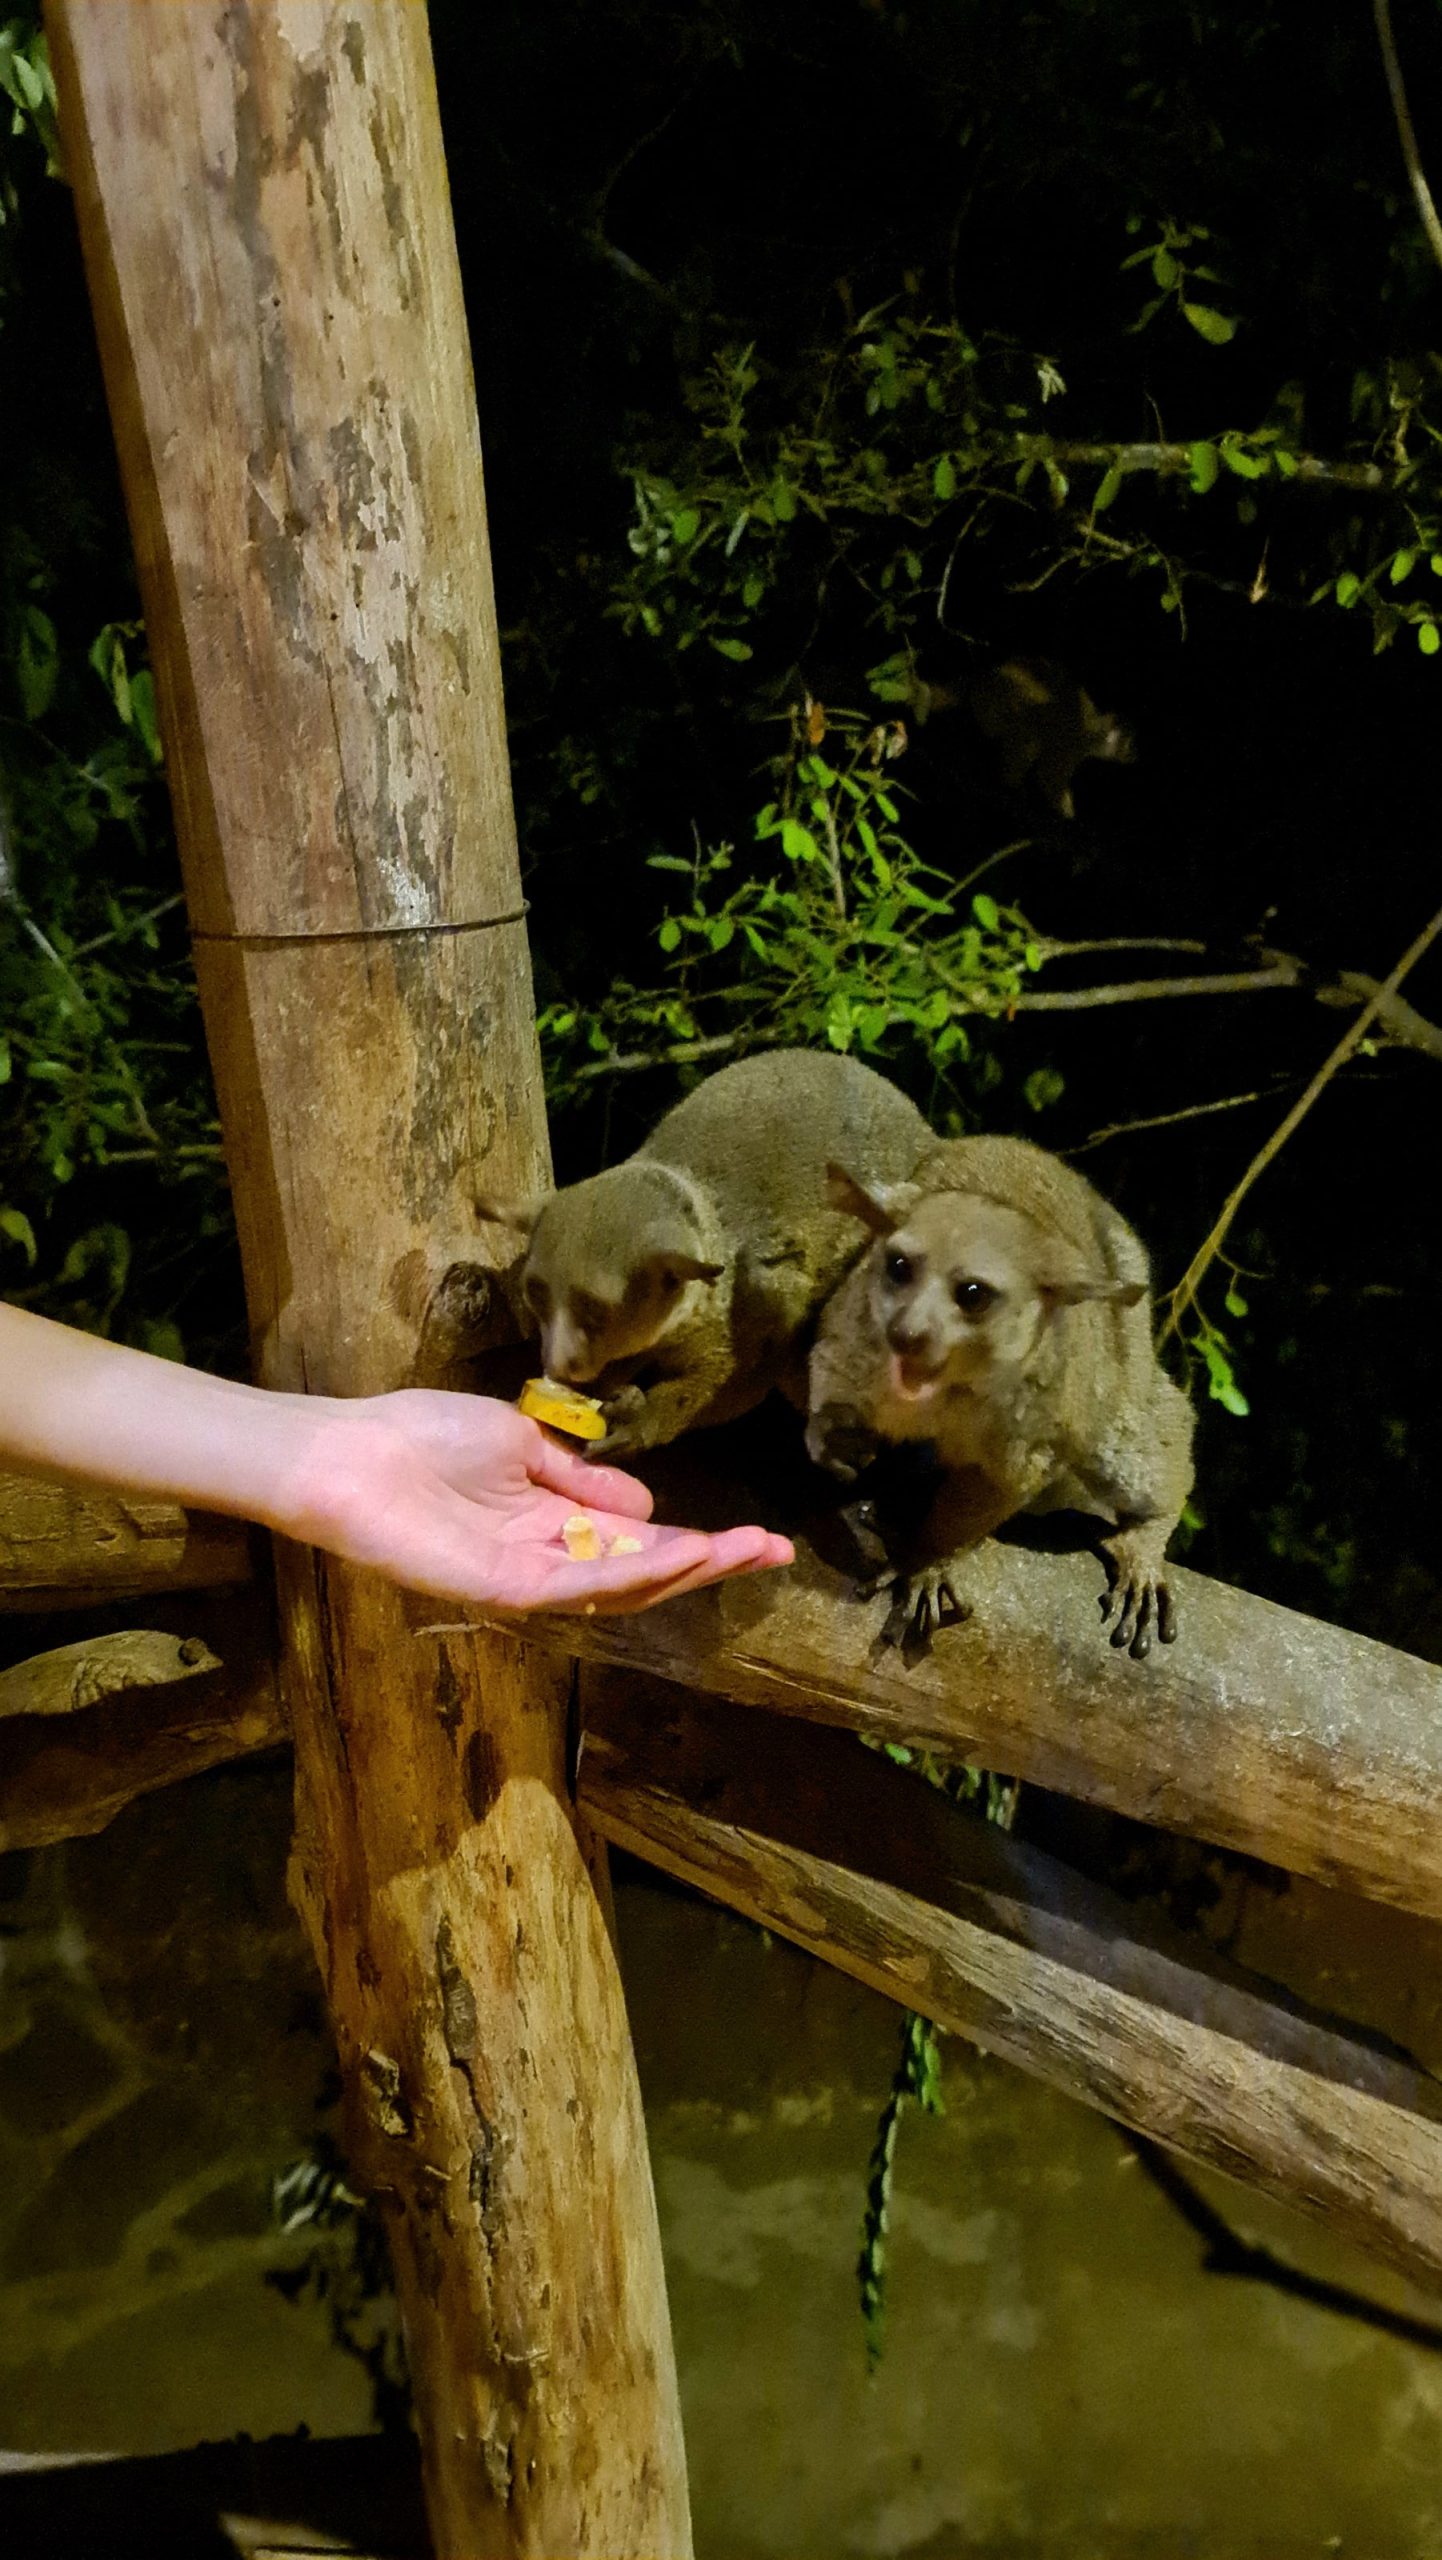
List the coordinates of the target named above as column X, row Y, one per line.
column 880, row 1208
column 519, row 1214
column 685, row 1266
column 1077, row 1290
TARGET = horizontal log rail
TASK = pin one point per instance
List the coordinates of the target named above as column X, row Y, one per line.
column 1261, row 1730
column 63, row 1546
column 64, row 1776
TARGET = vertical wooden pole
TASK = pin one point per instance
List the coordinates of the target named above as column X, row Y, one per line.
column 266, row 224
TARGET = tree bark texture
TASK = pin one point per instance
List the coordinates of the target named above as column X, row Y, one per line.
column 1264, row 1731
column 63, row 1546
column 863, row 1863
column 67, row 1678
column 266, row 225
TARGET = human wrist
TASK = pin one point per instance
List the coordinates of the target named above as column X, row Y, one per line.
column 327, row 1467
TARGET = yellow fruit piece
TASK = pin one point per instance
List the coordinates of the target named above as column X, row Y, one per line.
column 583, row 1538
column 563, row 1409
column 625, row 1547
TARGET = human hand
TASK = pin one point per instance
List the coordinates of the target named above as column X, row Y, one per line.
column 464, row 1498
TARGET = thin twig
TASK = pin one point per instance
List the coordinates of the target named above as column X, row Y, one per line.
column 1382, row 12
column 1022, row 844
column 1169, row 458
column 1116, row 942
column 1185, row 1292
column 1401, row 1021
column 681, row 1053
column 1169, row 1119
column 132, row 924
column 1230, row 982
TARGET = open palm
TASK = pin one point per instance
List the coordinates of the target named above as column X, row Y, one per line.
column 465, row 1499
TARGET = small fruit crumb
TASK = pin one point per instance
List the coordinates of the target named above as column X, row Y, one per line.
column 583, row 1539
column 625, row 1547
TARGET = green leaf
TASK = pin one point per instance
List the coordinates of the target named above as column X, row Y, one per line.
column 986, row 911
column 892, row 680
column 1429, row 639
column 28, row 80
column 1221, row 1380
column 1435, row 564
column 740, row 650
column 1209, row 324
column 15, row 1225
column 943, row 479
column 669, row 934
column 1165, row 270
column 798, row 843
column 1043, row 1086
column 164, row 1339
column 1206, row 462
column 1107, row 489
column 1234, row 1302
column 783, row 501
column 1403, row 564
column 37, row 661
column 685, row 525
column 1348, row 588
column 142, row 706
column 839, row 1021
column 5, row 1059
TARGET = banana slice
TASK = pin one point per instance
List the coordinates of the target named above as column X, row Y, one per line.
column 563, row 1408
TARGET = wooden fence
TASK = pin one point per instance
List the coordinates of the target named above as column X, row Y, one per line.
column 265, row 220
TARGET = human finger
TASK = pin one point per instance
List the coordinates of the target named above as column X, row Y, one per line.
column 562, row 1470
column 729, row 1553
column 533, row 1577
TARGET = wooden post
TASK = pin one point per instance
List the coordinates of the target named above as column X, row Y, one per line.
column 266, row 225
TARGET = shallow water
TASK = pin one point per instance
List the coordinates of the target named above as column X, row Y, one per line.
column 1060, row 2375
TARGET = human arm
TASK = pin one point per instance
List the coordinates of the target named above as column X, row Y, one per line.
column 457, row 1496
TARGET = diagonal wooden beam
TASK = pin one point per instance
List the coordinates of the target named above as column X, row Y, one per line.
column 876, row 1872
column 870, row 1870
